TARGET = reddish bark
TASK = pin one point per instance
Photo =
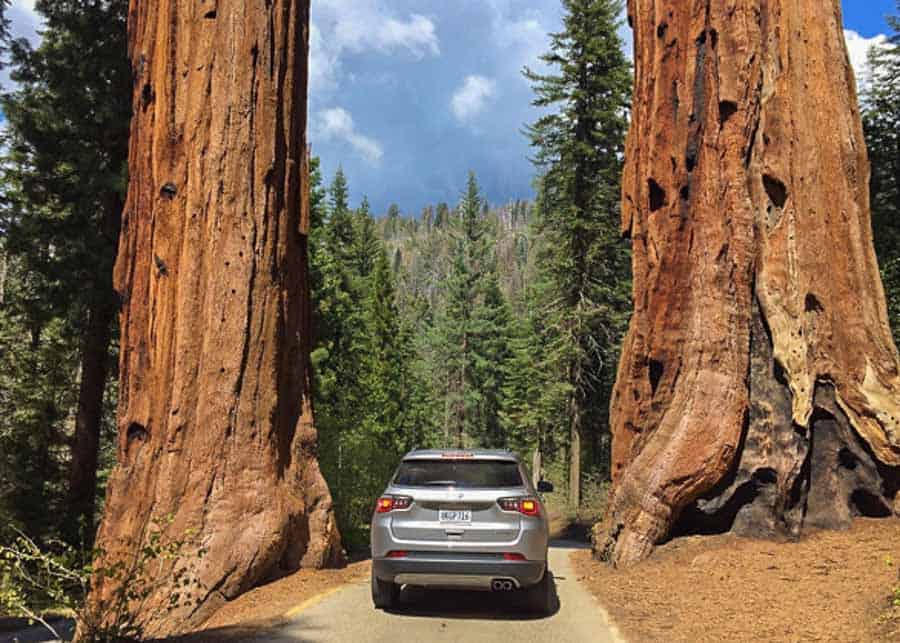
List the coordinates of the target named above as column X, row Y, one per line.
column 758, row 387
column 215, row 419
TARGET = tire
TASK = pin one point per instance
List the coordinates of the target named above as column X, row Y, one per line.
column 539, row 598
column 385, row 594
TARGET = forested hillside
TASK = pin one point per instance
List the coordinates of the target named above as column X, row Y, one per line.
column 437, row 330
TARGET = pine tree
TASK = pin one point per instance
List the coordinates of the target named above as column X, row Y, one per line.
column 442, row 215
column 491, row 335
column 64, row 181
column 578, row 151
column 340, row 220
column 338, row 336
column 455, row 328
column 526, row 383
column 38, row 362
column 384, row 364
column 881, row 121
column 4, row 32
column 366, row 245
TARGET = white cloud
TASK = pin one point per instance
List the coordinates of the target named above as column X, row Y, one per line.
column 522, row 34
column 416, row 35
column 358, row 26
column 472, row 97
column 859, row 47
column 337, row 124
column 24, row 20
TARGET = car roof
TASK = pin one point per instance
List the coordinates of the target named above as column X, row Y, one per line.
column 462, row 454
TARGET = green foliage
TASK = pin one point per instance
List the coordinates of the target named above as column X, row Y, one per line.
column 438, row 332
column 63, row 176
column 583, row 285
column 4, row 32
column 366, row 244
column 34, row 580
column 37, row 391
column 362, row 379
column 881, row 122
column 471, row 330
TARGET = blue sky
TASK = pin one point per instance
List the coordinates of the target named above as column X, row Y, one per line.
column 867, row 16
column 409, row 95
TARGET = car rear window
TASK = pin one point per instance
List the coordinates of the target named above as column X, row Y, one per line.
column 471, row 474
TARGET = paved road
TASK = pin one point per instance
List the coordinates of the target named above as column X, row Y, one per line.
column 446, row 617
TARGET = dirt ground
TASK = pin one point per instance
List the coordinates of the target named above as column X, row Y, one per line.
column 830, row 586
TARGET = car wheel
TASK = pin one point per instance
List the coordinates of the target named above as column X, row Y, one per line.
column 540, row 596
column 385, row 594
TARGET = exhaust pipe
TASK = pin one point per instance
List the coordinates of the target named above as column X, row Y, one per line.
column 502, row 585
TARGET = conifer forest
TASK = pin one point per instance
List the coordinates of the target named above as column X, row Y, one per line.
column 334, row 337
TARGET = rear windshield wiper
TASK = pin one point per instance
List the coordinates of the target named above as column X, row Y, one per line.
column 440, row 483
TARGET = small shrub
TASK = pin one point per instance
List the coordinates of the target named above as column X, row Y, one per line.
column 34, row 580
column 594, row 495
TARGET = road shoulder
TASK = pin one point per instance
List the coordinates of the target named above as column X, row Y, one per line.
column 829, row 586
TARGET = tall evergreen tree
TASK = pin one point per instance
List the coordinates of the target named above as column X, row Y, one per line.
column 366, row 245
column 64, row 183
column 384, row 358
column 38, row 362
column 458, row 325
column 4, row 32
column 530, row 384
column 491, row 335
column 392, row 222
column 340, row 220
column 578, row 152
column 881, row 121
column 442, row 215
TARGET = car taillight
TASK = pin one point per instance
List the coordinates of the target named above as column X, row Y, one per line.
column 397, row 554
column 392, row 503
column 513, row 556
column 525, row 506
column 529, row 507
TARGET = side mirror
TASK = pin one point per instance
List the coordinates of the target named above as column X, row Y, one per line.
column 545, row 487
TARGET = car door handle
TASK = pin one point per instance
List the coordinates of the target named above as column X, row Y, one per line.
column 454, row 532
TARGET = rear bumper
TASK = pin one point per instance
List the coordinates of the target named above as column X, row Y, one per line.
column 459, row 573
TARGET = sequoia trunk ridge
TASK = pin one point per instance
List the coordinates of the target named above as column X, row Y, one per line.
column 758, row 385
column 216, row 439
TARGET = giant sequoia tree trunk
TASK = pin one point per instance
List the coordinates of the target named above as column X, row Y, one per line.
column 215, row 420
column 758, row 387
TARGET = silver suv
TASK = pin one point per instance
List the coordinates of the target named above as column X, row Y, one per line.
column 461, row 520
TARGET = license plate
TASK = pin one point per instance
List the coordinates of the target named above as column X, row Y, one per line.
column 455, row 516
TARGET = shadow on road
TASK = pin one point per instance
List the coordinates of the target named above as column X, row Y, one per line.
column 495, row 606
column 568, row 543
column 17, row 630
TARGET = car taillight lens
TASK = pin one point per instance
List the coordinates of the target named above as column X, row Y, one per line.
column 529, row 507
column 513, row 556
column 525, row 506
column 392, row 503
column 397, row 554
